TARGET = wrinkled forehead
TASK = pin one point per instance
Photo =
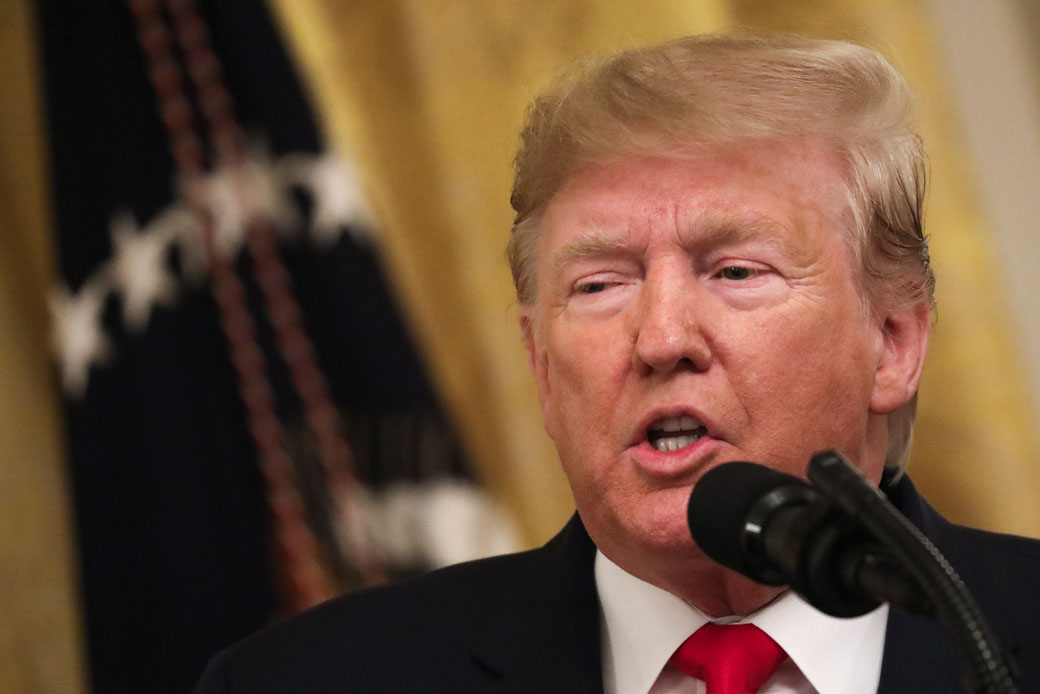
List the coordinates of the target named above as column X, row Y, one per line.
column 735, row 190
column 711, row 227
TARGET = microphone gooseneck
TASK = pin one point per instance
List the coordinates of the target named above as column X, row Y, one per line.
column 843, row 483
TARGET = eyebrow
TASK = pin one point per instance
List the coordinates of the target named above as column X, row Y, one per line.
column 709, row 228
column 714, row 228
column 594, row 242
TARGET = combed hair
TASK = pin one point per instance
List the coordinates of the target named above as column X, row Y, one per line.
column 702, row 91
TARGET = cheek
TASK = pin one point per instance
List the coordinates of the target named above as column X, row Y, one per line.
column 586, row 361
column 586, row 373
column 792, row 367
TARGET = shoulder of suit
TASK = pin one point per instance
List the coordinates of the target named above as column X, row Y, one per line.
column 441, row 590
column 984, row 545
column 439, row 611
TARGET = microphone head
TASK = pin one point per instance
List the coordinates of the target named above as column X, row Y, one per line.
column 720, row 505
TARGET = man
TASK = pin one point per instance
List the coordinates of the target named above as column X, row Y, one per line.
column 719, row 256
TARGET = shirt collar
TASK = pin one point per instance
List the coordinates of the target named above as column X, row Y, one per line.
column 643, row 625
column 835, row 654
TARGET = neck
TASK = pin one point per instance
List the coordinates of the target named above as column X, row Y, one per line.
column 713, row 589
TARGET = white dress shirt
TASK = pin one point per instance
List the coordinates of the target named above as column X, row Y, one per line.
column 642, row 625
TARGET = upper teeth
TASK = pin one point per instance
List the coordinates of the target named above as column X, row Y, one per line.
column 664, row 437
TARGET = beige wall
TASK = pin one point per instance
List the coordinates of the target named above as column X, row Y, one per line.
column 991, row 55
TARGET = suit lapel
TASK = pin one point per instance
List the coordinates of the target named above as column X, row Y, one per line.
column 543, row 634
column 919, row 657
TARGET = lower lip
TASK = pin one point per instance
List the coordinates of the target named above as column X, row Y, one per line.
column 676, row 463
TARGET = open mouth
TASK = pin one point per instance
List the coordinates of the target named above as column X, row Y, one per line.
column 673, row 433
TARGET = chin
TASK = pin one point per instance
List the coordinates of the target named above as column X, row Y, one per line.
column 657, row 525
column 667, row 538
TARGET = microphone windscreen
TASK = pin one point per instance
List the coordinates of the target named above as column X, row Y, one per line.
column 720, row 504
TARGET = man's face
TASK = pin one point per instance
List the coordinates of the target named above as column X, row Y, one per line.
column 693, row 311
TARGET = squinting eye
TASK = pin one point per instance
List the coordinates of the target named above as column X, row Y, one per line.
column 591, row 287
column 735, row 272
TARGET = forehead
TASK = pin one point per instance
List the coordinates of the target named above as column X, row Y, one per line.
column 759, row 188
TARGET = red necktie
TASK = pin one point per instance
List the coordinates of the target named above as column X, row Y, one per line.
column 729, row 658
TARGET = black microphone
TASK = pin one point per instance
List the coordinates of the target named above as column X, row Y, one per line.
column 777, row 529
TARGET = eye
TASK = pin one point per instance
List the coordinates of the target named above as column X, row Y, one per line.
column 591, row 287
column 737, row 272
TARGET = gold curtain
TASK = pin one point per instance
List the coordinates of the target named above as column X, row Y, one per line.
column 40, row 623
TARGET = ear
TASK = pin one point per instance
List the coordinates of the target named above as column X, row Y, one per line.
column 904, row 335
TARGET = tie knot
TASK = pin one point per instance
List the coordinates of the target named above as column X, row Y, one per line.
column 729, row 658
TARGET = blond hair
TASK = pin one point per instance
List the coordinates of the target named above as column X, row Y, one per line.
column 700, row 91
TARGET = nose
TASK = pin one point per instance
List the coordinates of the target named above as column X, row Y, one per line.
column 668, row 334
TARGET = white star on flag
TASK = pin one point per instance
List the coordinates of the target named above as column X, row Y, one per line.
column 139, row 270
column 334, row 186
column 237, row 195
column 184, row 229
column 76, row 333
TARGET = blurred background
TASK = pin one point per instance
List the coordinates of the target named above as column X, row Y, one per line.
column 258, row 340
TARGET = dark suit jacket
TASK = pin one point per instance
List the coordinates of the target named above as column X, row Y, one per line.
column 529, row 622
